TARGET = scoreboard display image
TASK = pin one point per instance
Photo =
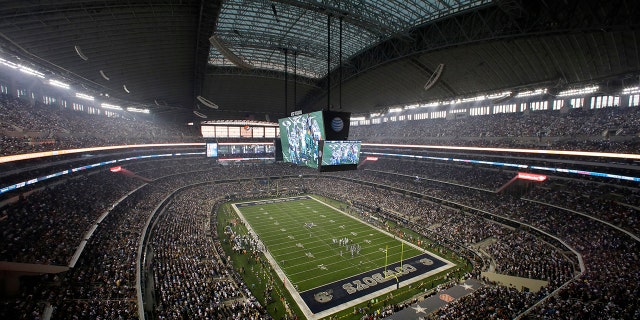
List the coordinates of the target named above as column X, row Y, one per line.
column 301, row 136
column 335, row 153
column 212, row 150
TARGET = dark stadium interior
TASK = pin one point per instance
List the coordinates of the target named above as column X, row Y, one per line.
column 502, row 134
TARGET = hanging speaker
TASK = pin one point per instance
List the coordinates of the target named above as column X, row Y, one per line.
column 80, row 54
column 199, row 114
column 434, row 77
column 207, row 102
column 227, row 53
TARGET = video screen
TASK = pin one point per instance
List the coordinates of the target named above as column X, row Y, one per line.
column 300, row 136
column 212, row 150
column 336, row 153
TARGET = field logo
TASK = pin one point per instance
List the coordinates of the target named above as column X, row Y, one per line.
column 324, row 296
column 446, row 298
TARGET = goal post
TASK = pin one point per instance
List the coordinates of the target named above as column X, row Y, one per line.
column 386, row 262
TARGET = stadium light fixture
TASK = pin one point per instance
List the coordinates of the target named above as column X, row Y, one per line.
column 391, row 110
column 30, row 71
column 499, row 95
column 531, row 93
column 631, row 90
column 58, row 84
column 578, row 91
column 84, row 96
column 8, row 64
column 375, row 114
column 357, row 118
column 411, row 106
column 111, row 106
column 478, row 98
column 430, row 105
column 138, row 110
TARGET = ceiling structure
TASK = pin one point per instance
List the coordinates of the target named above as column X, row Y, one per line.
column 356, row 55
column 261, row 31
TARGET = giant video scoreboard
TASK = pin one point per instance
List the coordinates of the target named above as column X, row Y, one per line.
column 319, row 140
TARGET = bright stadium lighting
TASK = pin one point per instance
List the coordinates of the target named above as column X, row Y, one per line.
column 30, row 71
column 84, row 96
column 531, row 93
column 111, row 106
column 395, row 110
column 631, row 90
column 578, row 91
column 138, row 110
column 478, row 98
column 357, row 118
column 411, row 106
column 430, row 105
column 8, row 64
column 499, row 95
column 375, row 114
column 59, row 84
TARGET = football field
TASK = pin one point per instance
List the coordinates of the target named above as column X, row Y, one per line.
column 330, row 255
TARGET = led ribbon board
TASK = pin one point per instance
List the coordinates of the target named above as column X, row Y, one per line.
column 531, row 176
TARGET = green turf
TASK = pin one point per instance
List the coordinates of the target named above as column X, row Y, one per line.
column 307, row 255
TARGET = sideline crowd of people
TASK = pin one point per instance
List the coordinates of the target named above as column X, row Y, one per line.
column 192, row 280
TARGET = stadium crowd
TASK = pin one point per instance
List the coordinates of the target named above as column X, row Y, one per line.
column 466, row 175
column 191, row 279
column 587, row 198
column 490, row 302
column 27, row 126
column 579, row 129
column 611, row 269
column 102, row 284
column 33, row 127
column 46, row 227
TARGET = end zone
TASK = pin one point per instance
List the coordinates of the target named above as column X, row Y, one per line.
column 339, row 295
